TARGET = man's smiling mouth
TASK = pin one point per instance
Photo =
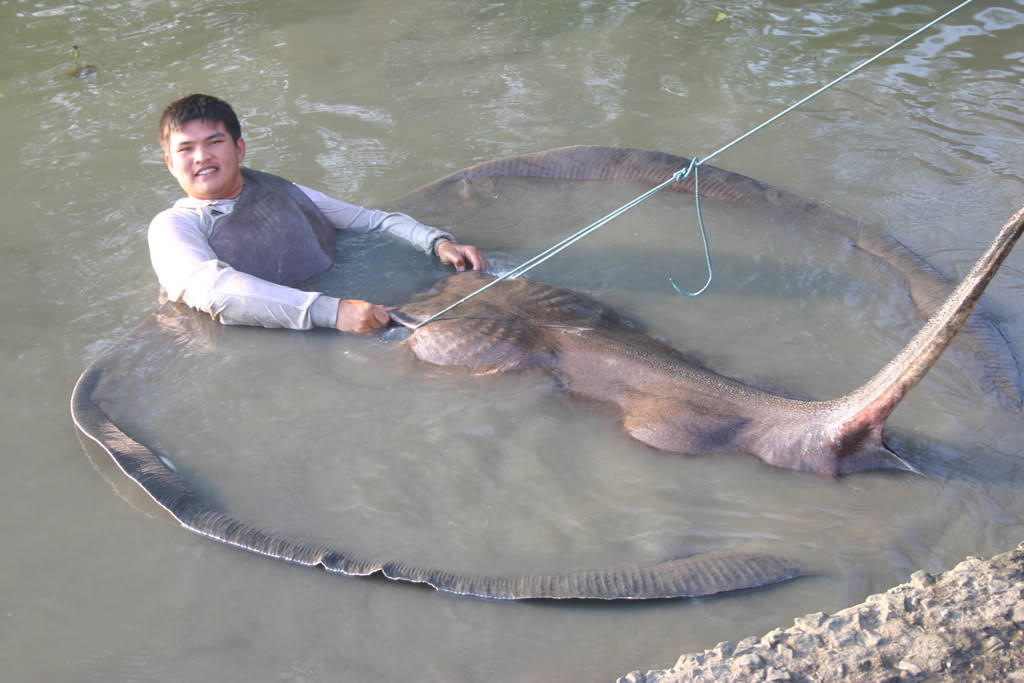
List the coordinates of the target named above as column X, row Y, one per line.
column 206, row 171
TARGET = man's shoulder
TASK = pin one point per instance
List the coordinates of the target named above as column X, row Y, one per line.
column 186, row 206
column 185, row 211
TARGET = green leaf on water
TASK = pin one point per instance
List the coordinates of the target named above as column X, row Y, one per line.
column 721, row 16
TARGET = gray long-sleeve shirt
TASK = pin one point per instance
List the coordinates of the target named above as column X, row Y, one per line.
column 189, row 271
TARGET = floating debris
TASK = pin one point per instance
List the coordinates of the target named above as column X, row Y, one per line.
column 79, row 70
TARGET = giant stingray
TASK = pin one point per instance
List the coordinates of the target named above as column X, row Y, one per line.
column 666, row 400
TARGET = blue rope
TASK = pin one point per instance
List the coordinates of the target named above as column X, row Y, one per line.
column 679, row 176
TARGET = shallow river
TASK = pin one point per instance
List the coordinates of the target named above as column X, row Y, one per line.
column 350, row 441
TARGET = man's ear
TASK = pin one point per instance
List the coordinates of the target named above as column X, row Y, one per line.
column 241, row 150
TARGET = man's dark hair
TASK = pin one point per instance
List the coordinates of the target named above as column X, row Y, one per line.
column 181, row 112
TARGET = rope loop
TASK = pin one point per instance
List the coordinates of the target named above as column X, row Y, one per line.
column 681, row 175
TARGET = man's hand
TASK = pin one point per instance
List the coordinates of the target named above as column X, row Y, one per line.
column 460, row 256
column 359, row 317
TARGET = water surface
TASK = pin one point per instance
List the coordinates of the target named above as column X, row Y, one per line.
column 350, row 440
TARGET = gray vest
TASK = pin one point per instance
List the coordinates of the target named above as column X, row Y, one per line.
column 275, row 232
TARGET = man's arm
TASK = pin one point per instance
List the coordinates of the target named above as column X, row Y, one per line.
column 460, row 256
column 345, row 216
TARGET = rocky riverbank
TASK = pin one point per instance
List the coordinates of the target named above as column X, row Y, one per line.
column 966, row 624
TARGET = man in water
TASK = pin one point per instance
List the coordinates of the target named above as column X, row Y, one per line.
column 241, row 240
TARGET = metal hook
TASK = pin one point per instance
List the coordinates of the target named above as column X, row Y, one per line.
column 680, row 175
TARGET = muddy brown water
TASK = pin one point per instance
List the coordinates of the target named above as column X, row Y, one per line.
column 350, row 439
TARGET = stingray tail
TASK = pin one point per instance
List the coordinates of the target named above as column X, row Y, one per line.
column 858, row 433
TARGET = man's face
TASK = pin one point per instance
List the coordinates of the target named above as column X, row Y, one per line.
column 205, row 160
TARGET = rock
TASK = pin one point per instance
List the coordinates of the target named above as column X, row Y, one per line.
column 921, row 579
column 811, row 621
column 746, row 645
column 773, row 638
column 872, row 639
column 750, row 662
column 964, row 624
column 909, row 667
column 633, row 677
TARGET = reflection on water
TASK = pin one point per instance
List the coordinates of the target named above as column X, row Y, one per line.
column 350, row 439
